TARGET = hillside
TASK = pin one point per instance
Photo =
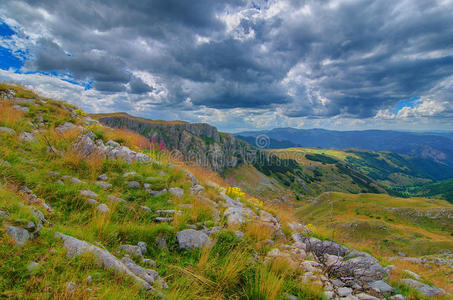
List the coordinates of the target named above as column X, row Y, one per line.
column 435, row 146
column 93, row 212
column 357, row 171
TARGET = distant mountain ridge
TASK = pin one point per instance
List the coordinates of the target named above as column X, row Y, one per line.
column 436, row 146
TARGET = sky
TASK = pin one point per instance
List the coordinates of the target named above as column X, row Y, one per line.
column 238, row 64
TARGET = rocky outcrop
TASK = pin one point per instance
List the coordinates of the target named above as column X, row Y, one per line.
column 190, row 238
column 87, row 146
column 196, row 143
column 76, row 247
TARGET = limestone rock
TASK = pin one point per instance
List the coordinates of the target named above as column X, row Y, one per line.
column 76, row 247
column 424, row 289
column 178, row 192
column 115, row 199
column 19, row 235
column 102, row 208
column 238, row 215
column 27, row 137
column 150, row 276
column 380, row 286
column 103, row 177
column 7, row 130
column 103, row 184
column 33, row 267
column 133, row 184
column 190, row 238
column 88, row 193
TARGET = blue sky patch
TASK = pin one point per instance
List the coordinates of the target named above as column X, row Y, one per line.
column 405, row 103
column 5, row 30
column 9, row 60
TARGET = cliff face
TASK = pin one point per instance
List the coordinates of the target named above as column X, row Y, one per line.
column 196, row 143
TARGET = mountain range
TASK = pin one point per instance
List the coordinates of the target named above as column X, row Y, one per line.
column 437, row 146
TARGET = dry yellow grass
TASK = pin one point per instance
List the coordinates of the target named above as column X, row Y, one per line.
column 8, row 115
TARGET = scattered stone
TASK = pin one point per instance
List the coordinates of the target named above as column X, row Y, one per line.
column 4, row 162
column 27, row 137
column 150, row 276
column 128, row 174
column 133, row 184
column 344, row 292
column 290, row 297
column 163, row 220
column 424, row 289
column 102, row 177
column 380, row 286
column 102, row 208
column 114, row 145
column 196, row 189
column 59, row 182
column 103, row 184
column 402, row 254
column 189, row 238
column 71, row 287
column 76, row 247
column 115, row 199
column 238, row 215
column 66, row 127
column 397, row 297
column 143, row 247
column 145, row 208
column 89, row 278
column 19, row 235
column 412, row 274
column 3, row 214
column 7, row 130
column 88, row 193
column 156, row 193
column 329, row 295
column 239, row 234
column 363, row 296
column 76, row 180
column 178, row 192
column 21, row 108
column 148, row 262
column 24, row 189
column 33, row 267
column 169, row 211
column 132, row 250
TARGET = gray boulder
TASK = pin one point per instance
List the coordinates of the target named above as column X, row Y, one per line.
column 33, row 267
column 18, row 234
column 238, row 215
column 133, row 184
column 136, row 251
column 424, row 289
column 76, row 247
column 380, row 286
column 103, row 177
column 178, row 192
column 115, row 199
column 102, row 208
column 190, row 238
column 7, row 130
column 27, row 137
column 103, row 184
column 88, row 193
column 150, row 276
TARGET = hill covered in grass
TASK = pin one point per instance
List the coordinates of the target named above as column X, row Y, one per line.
column 93, row 212
column 365, row 171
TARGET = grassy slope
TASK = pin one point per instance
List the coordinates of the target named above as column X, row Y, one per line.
column 226, row 270
column 399, row 175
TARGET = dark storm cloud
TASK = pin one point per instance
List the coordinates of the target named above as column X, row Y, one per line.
column 311, row 58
